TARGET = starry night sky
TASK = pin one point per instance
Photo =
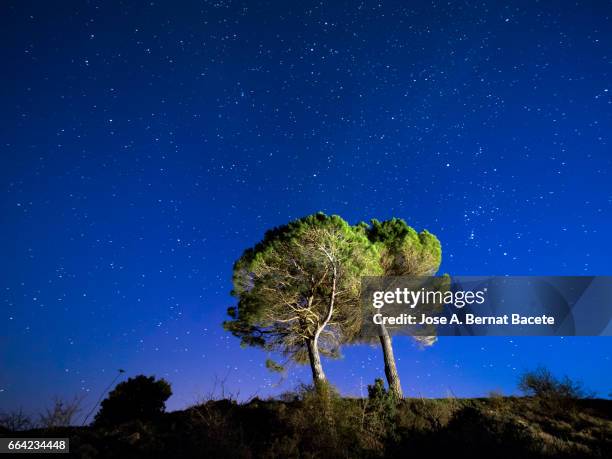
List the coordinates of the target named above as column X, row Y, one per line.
column 144, row 145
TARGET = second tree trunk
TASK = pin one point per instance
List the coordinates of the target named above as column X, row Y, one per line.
column 390, row 369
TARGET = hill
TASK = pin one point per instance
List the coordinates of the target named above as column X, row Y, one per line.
column 307, row 425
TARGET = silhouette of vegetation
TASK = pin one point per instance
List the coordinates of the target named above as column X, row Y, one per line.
column 16, row 421
column 541, row 383
column 553, row 394
column 120, row 371
column 61, row 414
column 140, row 398
column 315, row 421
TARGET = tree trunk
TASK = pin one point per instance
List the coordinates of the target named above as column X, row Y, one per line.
column 390, row 369
column 320, row 382
column 318, row 376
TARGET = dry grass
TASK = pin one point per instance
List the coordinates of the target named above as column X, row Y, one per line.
column 312, row 423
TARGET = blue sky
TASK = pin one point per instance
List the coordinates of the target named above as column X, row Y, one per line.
column 144, row 147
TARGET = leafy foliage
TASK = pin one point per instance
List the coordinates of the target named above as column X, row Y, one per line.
column 381, row 410
column 139, row 398
column 301, row 283
column 274, row 366
column 404, row 252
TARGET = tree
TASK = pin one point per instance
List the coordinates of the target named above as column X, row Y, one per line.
column 403, row 252
column 139, row 398
column 297, row 289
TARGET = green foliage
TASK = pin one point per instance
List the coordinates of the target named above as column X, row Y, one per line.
column 377, row 391
column 274, row 366
column 284, row 286
column 381, row 410
column 323, row 424
column 140, row 398
column 404, row 252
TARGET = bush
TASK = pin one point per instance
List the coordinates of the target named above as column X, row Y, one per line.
column 382, row 403
column 558, row 396
column 496, row 399
column 322, row 424
column 379, row 420
column 140, row 398
column 15, row 421
column 542, row 384
column 62, row 413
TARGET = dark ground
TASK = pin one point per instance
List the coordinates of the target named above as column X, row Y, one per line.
column 309, row 426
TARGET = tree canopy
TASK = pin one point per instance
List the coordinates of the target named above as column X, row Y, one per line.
column 298, row 288
column 143, row 398
column 404, row 252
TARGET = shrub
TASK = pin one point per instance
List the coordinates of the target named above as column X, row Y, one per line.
column 322, row 424
column 61, row 414
column 15, row 421
column 496, row 399
column 557, row 396
column 542, row 384
column 139, row 398
column 380, row 411
column 382, row 403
